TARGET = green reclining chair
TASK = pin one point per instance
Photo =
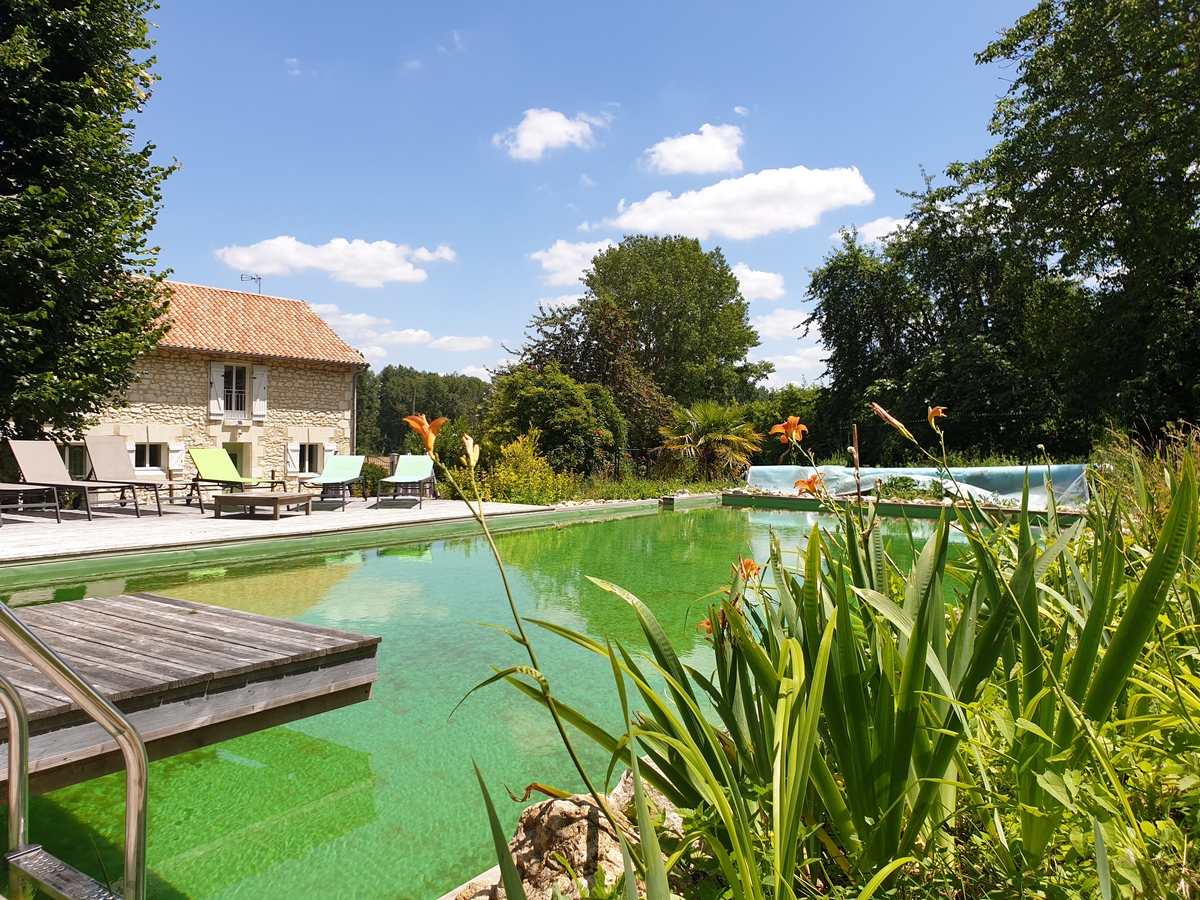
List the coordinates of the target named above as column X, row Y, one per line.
column 412, row 470
column 215, row 467
column 340, row 472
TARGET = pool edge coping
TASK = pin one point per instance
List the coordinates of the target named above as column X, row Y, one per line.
column 45, row 571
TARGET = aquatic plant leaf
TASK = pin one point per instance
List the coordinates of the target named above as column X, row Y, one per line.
column 513, row 887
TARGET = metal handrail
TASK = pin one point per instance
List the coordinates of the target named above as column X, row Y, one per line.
column 107, row 716
column 18, row 777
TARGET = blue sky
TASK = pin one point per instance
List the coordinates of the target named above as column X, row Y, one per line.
column 424, row 175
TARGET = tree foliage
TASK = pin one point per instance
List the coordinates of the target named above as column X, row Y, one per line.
column 1097, row 165
column 403, row 391
column 571, row 421
column 1050, row 289
column 79, row 296
column 661, row 320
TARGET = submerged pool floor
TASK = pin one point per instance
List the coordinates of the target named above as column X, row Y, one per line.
column 379, row 800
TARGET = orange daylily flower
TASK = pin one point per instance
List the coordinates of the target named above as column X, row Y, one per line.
column 472, row 457
column 426, row 429
column 791, row 431
column 892, row 420
column 811, row 484
column 705, row 624
column 747, row 568
column 936, row 412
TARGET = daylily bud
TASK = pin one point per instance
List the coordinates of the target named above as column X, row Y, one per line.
column 472, row 457
column 892, row 420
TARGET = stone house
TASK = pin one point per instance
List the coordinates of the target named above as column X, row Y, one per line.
column 264, row 377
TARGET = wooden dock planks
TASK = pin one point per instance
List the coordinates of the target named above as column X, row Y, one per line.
column 186, row 674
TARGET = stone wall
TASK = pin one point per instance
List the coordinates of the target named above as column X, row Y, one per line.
column 307, row 403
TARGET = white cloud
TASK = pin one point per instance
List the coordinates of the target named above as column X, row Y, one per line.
column 442, row 252
column 564, row 262
column 779, row 323
column 547, row 129
column 477, row 372
column 714, row 149
column 456, row 344
column 561, row 300
column 874, row 231
column 586, row 182
column 291, row 65
column 746, row 207
column 412, row 65
column 758, row 285
column 807, row 362
column 458, row 41
column 407, row 336
column 741, row 110
column 370, row 334
column 357, row 262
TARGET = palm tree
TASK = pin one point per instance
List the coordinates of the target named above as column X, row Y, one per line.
column 716, row 438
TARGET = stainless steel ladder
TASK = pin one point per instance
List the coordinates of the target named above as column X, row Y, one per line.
column 28, row 864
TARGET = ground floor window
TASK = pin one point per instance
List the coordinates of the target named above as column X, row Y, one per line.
column 148, row 456
column 310, row 458
column 76, row 459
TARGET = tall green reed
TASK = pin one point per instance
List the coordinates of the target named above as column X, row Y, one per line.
column 838, row 738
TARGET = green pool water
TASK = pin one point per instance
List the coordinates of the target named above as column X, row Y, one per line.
column 379, row 800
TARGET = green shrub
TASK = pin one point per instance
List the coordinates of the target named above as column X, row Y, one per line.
column 901, row 487
column 371, row 473
column 522, row 475
column 573, row 421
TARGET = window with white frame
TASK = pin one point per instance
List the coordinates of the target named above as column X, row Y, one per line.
column 235, row 392
column 310, row 459
column 149, row 456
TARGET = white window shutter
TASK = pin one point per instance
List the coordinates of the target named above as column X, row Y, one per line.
column 175, row 454
column 216, row 390
column 259, row 407
column 330, row 450
column 293, row 459
column 132, row 448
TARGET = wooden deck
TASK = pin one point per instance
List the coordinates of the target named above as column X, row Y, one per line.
column 186, row 674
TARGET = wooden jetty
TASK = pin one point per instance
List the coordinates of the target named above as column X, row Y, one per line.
column 186, row 674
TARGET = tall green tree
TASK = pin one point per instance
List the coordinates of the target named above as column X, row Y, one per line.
column 660, row 311
column 79, row 295
column 367, row 438
column 950, row 312
column 1099, row 166
column 403, row 392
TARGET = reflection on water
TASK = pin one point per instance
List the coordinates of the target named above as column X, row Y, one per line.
column 378, row 800
column 219, row 815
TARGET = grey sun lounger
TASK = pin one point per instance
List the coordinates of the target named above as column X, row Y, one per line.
column 109, row 455
column 340, row 472
column 20, row 490
column 410, row 470
column 41, row 465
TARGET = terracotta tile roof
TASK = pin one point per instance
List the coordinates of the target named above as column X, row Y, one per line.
column 209, row 319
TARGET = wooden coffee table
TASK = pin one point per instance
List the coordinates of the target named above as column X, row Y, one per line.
column 253, row 500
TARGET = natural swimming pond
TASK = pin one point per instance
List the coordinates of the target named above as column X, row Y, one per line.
column 379, row 800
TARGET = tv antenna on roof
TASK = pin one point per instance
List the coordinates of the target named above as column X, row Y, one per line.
column 257, row 279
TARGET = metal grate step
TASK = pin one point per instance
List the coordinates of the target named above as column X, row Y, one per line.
column 54, row 878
